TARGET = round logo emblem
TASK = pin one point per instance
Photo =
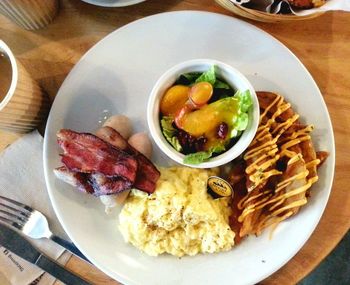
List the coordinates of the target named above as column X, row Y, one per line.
column 218, row 187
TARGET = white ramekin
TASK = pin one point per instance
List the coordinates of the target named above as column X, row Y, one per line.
column 233, row 77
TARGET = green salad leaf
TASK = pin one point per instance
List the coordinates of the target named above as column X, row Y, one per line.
column 169, row 132
column 242, row 119
column 208, row 76
column 201, row 156
column 197, row 157
column 192, row 77
column 245, row 100
column 235, row 133
column 241, row 122
column 221, row 85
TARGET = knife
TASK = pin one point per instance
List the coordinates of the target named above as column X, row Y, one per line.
column 17, row 244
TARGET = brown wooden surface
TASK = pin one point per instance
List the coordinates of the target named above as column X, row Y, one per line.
column 322, row 44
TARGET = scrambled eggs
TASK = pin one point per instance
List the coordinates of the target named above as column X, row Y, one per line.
column 179, row 217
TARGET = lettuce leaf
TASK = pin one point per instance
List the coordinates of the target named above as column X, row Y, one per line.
column 201, row 156
column 241, row 121
column 221, row 85
column 187, row 79
column 197, row 157
column 235, row 133
column 208, row 76
column 169, row 132
column 192, row 77
column 245, row 100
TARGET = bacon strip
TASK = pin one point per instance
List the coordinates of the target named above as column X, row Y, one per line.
column 106, row 186
column 104, row 164
column 87, row 153
column 96, row 184
column 76, row 179
column 147, row 174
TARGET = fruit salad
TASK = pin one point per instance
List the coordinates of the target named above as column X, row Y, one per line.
column 202, row 116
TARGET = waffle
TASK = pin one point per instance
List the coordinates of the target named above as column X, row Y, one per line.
column 280, row 166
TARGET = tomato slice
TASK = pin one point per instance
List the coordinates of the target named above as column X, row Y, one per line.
column 174, row 99
column 200, row 93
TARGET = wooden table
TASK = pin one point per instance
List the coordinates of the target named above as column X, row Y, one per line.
column 322, row 44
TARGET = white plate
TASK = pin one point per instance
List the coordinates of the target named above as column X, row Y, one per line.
column 116, row 76
column 113, row 3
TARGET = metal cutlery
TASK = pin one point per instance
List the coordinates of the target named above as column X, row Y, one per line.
column 32, row 223
column 17, row 244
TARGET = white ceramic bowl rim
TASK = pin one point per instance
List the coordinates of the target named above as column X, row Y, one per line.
column 168, row 79
column 6, row 50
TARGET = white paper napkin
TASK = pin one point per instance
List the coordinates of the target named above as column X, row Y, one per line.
column 22, row 179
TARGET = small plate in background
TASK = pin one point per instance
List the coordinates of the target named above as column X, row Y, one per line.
column 113, row 3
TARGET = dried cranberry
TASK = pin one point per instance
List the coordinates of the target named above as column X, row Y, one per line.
column 189, row 143
column 222, row 130
column 200, row 143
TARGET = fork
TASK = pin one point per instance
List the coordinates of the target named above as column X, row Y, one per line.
column 32, row 223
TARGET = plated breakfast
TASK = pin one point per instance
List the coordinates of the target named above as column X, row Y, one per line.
column 105, row 83
column 176, row 210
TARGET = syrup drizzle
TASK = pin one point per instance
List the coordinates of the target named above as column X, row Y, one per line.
column 266, row 149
